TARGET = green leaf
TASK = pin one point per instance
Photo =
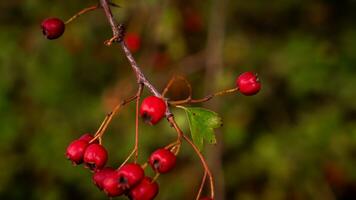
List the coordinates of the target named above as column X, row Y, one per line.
column 202, row 123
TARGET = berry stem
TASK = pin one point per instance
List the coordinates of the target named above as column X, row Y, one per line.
column 85, row 10
column 139, row 92
column 201, row 186
column 172, row 80
column 205, row 99
column 99, row 133
column 201, row 157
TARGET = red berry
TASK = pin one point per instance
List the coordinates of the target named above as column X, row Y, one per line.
column 75, row 151
column 130, row 175
column 133, row 41
column 87, row 137
column 145, row 190
column 162, row 161
column 95, row 156
column 52, row 28
column 111, row 185
column 153, row 109
column 99, row 176
column 248, row 83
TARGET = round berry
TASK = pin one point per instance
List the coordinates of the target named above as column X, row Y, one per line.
column 75, row 151
column 130, row 175
column 111, row 185
column 248, row 83
column 87, row 137
column 133, row 41
column 95, row 156
column 153, row 109
column 162, row 160
column 100, row 175
column 145, row 190
column 52, row 28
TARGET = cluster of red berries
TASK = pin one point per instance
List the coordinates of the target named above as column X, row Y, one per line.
column 130, row 178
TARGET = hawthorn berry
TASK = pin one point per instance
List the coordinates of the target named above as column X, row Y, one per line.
column 133, row 41
column 162, row 160
column 100, row 175
column 153, row 109
column 87, row 137
column 129, row 175
column 75, row 151
column 111, row 185
column 248, row 83
column 145, row 190
column 95, row 156
column 52, row 28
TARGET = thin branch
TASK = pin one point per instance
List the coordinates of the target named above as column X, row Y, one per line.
column 201, row 157
column 205, row 99
column 85, row 10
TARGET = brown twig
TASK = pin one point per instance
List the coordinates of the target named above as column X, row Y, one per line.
column 205, row 99
column 141, row 79
column 172, row 80
column 109, row 117
column 85, row 10
column 201, row 186
column 201, row 157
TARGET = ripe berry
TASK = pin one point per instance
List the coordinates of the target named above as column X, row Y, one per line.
column 99, row 176
column 130, row 175
column 52, row 28
column 162, row 160
column 152, row 109
column 145, row 190
column 87, row 137
column 248, row 83
column 111, row 185
column 133, row 41
column 75, row 151
column 95, row 156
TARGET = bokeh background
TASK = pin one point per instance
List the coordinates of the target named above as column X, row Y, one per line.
column 296, row 139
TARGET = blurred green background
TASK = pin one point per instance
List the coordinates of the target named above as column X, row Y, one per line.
column 296, row 139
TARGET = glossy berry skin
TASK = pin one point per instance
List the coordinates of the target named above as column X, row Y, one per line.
column 133, row 41
column 152, row 109
column 110, row 185
column 100, row 176
column 52, row 28
column 162, row 161
column 248, row 83
column 129, row 175
column 88, row 137
column 145, row 190
column 95, row 156
column 75, row 151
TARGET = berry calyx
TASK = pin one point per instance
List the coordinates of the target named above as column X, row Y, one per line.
column 111, row 185
column 145, row 190
column 248, row 83
column 52, row 28
column 101, row 175
column 153, row 109
column 129, row 175
column 75, row 151
column 162, row 161
column 95, row 157
column 133, row 41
